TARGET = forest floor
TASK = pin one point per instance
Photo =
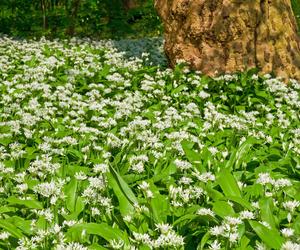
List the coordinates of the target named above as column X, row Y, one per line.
column 103, row 147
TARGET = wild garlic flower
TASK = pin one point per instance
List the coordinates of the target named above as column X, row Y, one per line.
column 291, row 205
column 287, row 232
column 289, row 245
column 182, row 165
column 4, row 235
column 205, row 211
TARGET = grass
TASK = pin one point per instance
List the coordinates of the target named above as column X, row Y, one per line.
column 103, row 150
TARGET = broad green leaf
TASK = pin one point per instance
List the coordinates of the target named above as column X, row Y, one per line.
column 79, row 207
column 244, row 244
column 96, row 247
column 188, row 217
column 296, row 225
column 240, row 201
column 223, row 209
column 214, row 194
column 203, row 241
column 70, row 192
column 24, row 225
column 123, row 192
column 228, row 183
column 11, row 228
column 266, row 211
column 159, row 205
column 237, row 156
column 27, row 203
column 190, row 153
column 103, row 230
column 178, row 89
column 270, row 237
column 165, row 172
column 7, row 209
column 41, row 223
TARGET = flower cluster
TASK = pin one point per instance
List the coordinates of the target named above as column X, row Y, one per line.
column 105, row 149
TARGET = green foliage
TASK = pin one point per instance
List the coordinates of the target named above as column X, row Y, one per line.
column 94, row 18
column 103, row 150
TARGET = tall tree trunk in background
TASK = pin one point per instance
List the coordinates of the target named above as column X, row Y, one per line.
column 130, row 4
column 225, row 36
column 44, row 9
column 73, row 16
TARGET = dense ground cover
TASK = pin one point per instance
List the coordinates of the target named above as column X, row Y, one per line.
column 102, row 151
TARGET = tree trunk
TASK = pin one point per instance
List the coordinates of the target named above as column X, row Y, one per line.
column 43, row 5
column 72, row 17
column 225, row 36
column 129, row 4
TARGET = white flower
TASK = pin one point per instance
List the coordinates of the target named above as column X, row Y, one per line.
column 80, row 176
column 213, row 150
column 182, row 165
column 260, row 246
column 289, row 245
column 127, row 218
column 205, row 177
column 233, row 237
column 265, row 178
column 138, row 167
column 143, row 238
column 216, row 245
column 101, row 168
column 291, row 205
column 170, row 239
column 233, row 221
column 205, row 211
column 164, row 228
column 71, row 246
column 116, row 244
column 280, row 183
column 4, row 235
column 217, row 230
column 287, row 232
column 203, row 95
column 248, row 215
column 144, row 185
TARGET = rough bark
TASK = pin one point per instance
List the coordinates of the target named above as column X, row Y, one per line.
column 225, row 36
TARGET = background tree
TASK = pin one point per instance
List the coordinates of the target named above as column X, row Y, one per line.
column 227, row 36
column 72, row 16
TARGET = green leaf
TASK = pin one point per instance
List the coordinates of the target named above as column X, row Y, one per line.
column 24, row 225
column 228, row 183
column 266, row 211
column 79, row 207
column 240, row 201
column 188, row 217
column 244, row 243
column 96, row 247
column 270, row 237
column 165, row 172
column 190, row 153
column 238, row 156
column 103, row 230
column 6, row 209
column 203, row 241
column 123, row 192
column 11, row 228
column 70, row 192
column 178, row 89
column 27, row 203
column 159, row 205
column 223, row 209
